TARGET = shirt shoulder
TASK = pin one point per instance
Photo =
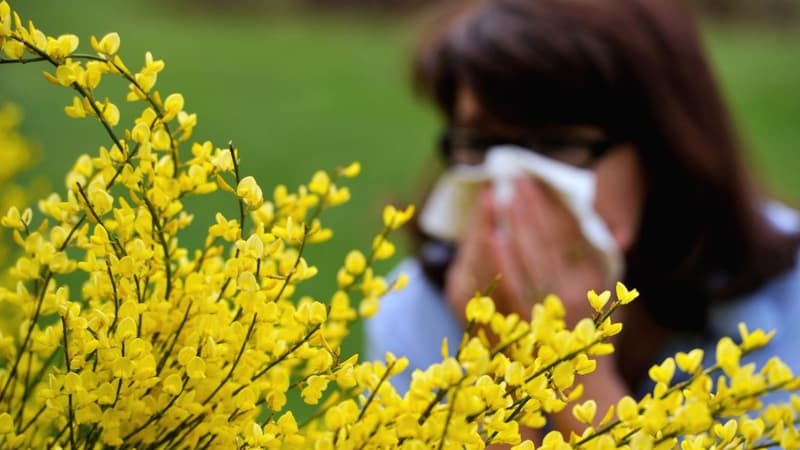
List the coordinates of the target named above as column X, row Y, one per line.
column 774, row 307
column 412, row 322
column 782, row 216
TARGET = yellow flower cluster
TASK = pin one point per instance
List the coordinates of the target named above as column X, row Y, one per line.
column 18, row 155
column 164, row 347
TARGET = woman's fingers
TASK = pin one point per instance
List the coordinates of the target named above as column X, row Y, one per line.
column 470, row 272
column 546, row 237
column 509, row 295
column 557, row 226
column 531, row 251
column 536, row 228
column 481, row 218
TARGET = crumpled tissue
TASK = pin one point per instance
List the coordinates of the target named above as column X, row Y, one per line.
column 448, row 208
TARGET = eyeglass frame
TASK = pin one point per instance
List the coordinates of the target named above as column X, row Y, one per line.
column 597, row 148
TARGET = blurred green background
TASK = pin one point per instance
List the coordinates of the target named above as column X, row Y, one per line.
column 298, row 90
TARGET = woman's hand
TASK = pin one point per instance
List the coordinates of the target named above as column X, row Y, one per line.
column 536, row 247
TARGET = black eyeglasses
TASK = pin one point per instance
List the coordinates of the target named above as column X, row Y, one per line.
column 469, row 146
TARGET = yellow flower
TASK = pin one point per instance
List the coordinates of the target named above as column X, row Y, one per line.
column 627, row 409
column 6, row 423
column 320, row 183
column 554, row 441
column 172, row 106
column 751, row 429
column 126, row 329
column 368, row 307
column 382, row 248
column 727, row 431
column 480, row 309
column 173, row 384
column 394, row 219
column 100, row 200
column 728, row 355
column 400, row 282
column 598, row 301
column 311, row 313
column 351, row 171
column 196, row 368
column 315, row 385
column 777, row 372
column 563, row 375
column 108, row 45
column 355, row 263
column 68, row 73
column 689, row 362
column 160, row 139
column 61, row 47
column 94, row 74
column 585, row 411
column 13, row 219
column 13, row 49
column 525, row 445
column 754, row 340
column 337, row 195
column 5, row 19
column 624, row 296
column 110, row 112
column 662, row 373
column 585, row 331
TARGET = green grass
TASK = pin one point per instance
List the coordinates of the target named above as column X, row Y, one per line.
column 760, row 72
column 298, row 92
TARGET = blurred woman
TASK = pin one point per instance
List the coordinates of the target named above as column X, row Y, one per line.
column 623, row 89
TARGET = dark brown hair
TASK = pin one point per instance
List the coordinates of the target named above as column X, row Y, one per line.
column 637, row 69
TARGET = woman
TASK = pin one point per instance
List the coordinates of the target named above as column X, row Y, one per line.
column 622, row 88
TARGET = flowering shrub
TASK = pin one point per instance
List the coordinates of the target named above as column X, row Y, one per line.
column 166, row 347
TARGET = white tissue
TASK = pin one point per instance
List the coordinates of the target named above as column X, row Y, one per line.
column 449, row 206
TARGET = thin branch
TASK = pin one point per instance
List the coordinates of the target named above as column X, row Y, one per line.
column 34, row 320
column 162, row 240
column 238, row 180
column 374, row 392
column 69, row 396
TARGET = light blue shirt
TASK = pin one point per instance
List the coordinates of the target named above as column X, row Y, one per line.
column 414, row 321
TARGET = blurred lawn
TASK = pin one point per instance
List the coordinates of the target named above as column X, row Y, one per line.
column 297, row 93
column 760, row 72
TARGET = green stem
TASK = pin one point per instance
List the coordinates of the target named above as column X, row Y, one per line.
column 22, row 60
column 159, row 414
column 69, row 397
column 449, row 417
column 158, row 110
column 285, row 354
column 34, row 320
column 174, row 339
column 116, row 298
column 36, row 379
column 45, row 57
column 235, row 361
column 235, row 160
column 25, row 385
column 374, row 392
column 162, row 240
